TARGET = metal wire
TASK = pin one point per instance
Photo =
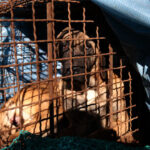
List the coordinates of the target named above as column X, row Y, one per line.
column 53, row 25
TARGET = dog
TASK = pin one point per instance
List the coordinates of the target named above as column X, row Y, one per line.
column 35, row 115
column 83, row 86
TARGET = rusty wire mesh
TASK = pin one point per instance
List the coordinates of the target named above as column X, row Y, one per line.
column 32, row 69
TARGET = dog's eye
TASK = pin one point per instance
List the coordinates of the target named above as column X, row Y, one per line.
column 88, row 46
column 66, row 45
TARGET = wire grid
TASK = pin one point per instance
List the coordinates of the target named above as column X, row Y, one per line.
column 30, row 59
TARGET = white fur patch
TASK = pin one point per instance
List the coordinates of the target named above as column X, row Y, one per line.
column 91, row 96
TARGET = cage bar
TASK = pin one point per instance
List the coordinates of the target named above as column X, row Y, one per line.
column 111, row 88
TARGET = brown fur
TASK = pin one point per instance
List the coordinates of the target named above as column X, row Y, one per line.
column 93, row 95
column 35, row 115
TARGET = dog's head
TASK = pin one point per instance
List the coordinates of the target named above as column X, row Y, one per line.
column 77, row 45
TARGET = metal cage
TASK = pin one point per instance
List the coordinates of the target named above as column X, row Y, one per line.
column 44, row 46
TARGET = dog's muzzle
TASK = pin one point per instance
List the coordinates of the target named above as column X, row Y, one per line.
column 76, row 70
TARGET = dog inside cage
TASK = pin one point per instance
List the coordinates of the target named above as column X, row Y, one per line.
column 60, row 75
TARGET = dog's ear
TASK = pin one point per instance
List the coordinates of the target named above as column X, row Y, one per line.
column 59, row 44
column 58, row 49
column 63, row 33
column 103, row 65
column 61, row 47
column 64, row 44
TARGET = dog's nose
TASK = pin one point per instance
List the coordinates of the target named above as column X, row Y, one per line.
column 66, row 71
column 75, row 70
